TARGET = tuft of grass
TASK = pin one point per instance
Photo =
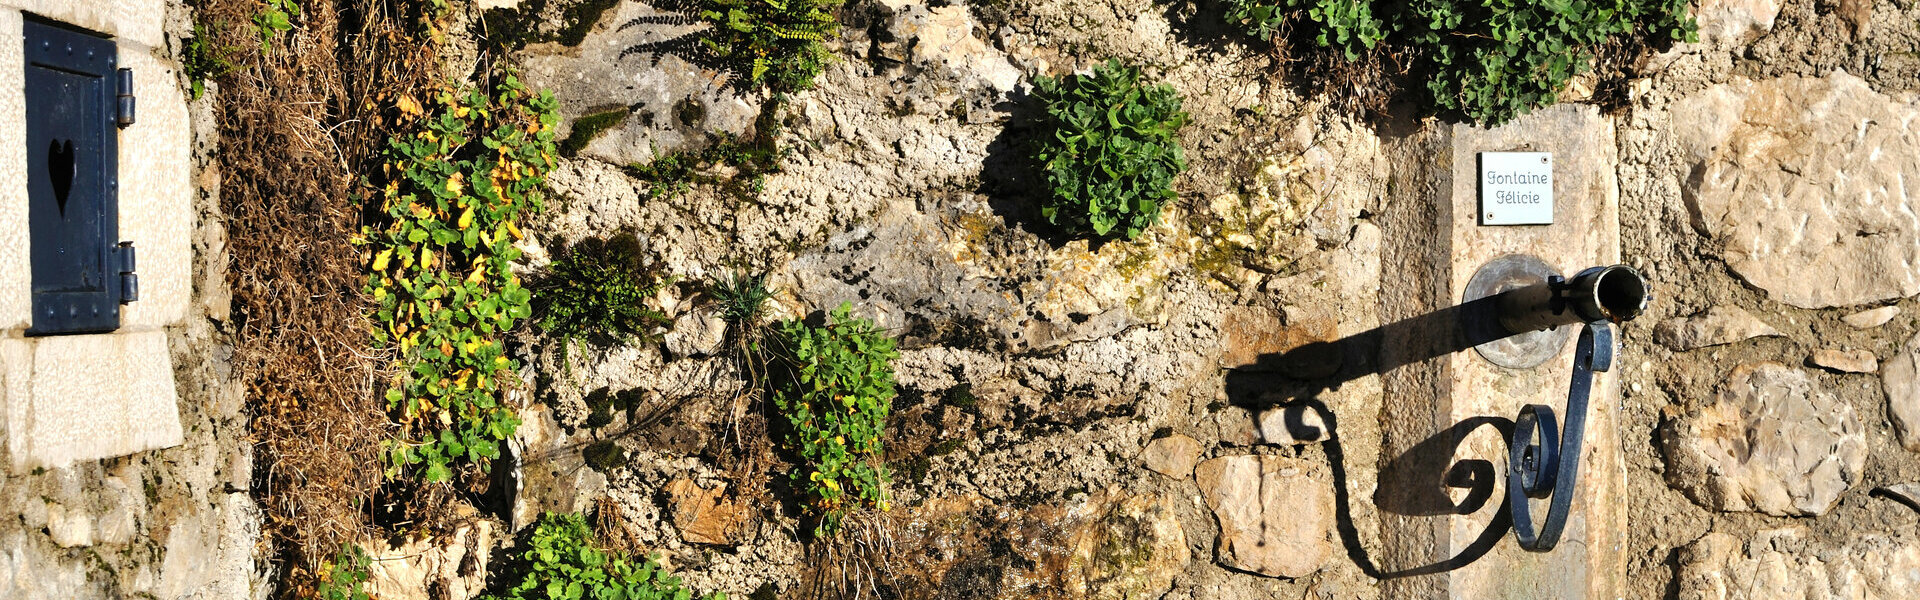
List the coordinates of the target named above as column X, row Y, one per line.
column 742, row 297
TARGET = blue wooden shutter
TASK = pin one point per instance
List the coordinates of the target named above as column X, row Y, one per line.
column 72, row 181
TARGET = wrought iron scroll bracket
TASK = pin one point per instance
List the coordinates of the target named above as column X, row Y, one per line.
column 1543, row 460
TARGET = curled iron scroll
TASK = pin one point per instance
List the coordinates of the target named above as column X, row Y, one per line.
column 1543, row 459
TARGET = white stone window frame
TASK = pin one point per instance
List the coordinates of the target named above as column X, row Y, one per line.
column 72, row 398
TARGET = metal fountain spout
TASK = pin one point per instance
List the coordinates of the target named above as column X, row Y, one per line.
column 1544, row 455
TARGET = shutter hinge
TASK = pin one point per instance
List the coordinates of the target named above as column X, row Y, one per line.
column 123, row 108
column 129, row 281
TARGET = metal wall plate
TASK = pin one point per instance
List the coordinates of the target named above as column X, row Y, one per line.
column 1522, row 351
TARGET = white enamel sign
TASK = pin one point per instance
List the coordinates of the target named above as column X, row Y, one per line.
column 1516, row 188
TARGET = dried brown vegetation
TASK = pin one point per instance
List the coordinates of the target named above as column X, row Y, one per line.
column 296, row 126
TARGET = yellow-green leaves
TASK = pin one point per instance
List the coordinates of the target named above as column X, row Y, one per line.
column 444, row 290
column 835, row 391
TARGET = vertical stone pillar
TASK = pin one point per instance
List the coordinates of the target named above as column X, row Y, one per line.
column 1446, row 415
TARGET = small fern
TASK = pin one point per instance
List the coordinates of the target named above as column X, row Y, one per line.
column 771, row 43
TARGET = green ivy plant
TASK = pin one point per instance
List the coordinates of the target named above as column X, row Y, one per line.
column 835, row 390
column 275, row 17
column 1488, row 61
column 560, row 562
column 596, row 292
column 439, row 255
column 1108, row 150
column 344, row 577
column 1346, row 25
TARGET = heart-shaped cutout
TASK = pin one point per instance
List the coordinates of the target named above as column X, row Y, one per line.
column 61, row 168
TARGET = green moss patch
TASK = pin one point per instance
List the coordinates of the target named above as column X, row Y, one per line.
column 588, row 127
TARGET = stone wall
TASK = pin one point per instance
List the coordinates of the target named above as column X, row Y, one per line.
column 113, row 489
column 1760, row 179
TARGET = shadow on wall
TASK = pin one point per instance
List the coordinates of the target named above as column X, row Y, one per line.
column 1419, row 482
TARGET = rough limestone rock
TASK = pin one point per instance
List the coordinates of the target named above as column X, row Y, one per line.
column 943, row 38
column 1846, row 361
column 1712, row 327
column 696, row 333
column 671, row 104
column 1293, row 425
column 1734, row 22
column 702, row 516
column 1134, row 550
column 1808, row 185
column 1771, row 441
column 1782, row 563
column 1172, row 456
column 1869, row 319
column 1275, row 513
column 452, row 567
column 1903, row 398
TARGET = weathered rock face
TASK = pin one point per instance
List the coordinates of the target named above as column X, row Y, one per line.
column 1134, row 550
column 1845, row 361
column 1172, row 456
column 1275, row 513
column 669, row 103
column 1713, row 327
column 453, row 567
column 1808, row 185
column 1871, row 318
column 1770, row 442
column 1903, row 395
column 1293, row 425
column 1781, row 563
column 1111, row 544
column 1734, row 21
column 703, row 516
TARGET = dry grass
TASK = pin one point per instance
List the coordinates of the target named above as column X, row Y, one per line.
column 296, row 126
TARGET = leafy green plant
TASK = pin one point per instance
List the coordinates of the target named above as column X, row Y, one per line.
column 204, row 59
column 771, row 43
column 343, row 577
column 674, row 174
column 1488, row 61
column 1346, row 25
column 560, row 562
column 835, row 391
column 275, row 17
column 1108, row 150
column 439, row 252
column 596, row 292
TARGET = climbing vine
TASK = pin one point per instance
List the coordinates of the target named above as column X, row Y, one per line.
column 455, row 188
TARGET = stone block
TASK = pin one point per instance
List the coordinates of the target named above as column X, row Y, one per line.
column 141, row 22
column 16, row 274
column 86, row 397
column 156, row 194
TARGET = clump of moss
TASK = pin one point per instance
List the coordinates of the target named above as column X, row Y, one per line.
column 604, row 455
column 588, row 127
